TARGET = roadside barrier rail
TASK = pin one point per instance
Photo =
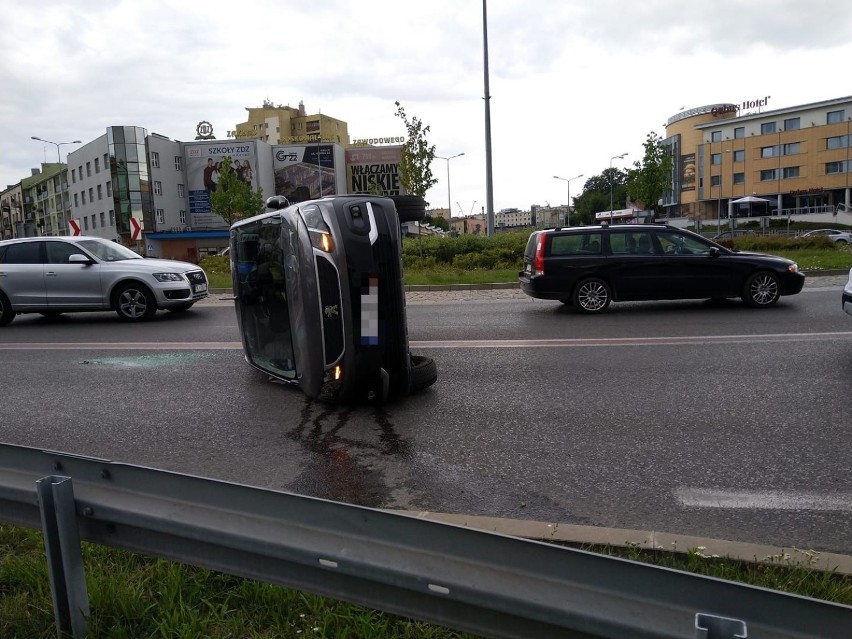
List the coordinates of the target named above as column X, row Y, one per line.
column 485, row 583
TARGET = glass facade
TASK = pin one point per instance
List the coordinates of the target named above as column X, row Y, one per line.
column 131, row 190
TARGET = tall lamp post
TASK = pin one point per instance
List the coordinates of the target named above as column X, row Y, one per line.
column 59, row 157
column 449, row 199
column 568, row 183
column 614, row 157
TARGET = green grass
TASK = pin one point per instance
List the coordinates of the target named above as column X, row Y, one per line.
column 133, row 596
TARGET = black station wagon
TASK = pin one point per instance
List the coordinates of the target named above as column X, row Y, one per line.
column 589, row 267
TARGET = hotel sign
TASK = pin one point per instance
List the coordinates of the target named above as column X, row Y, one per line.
column 745, row 106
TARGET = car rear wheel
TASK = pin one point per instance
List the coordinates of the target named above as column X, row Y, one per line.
column 6, row 312
column 424, row 372
column 135, row 302
column 409, row 208
column 761, row 290
column 592, row 295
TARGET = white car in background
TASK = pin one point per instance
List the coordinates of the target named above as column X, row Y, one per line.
column 847, row 295
column 835, row 235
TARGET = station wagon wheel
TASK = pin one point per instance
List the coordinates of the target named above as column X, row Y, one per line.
column 592, row 295
column 6, row 312
column 761, row 290
column 135, row 302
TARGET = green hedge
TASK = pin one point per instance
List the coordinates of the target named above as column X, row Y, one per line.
column 467, row 252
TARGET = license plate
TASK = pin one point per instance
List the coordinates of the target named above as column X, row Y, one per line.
column 200, row 288
column 370, row 311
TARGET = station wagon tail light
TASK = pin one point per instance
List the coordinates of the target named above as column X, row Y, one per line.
column 538, row 260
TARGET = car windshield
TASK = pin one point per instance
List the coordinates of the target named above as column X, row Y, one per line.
column 259, row 259
column 109, row 251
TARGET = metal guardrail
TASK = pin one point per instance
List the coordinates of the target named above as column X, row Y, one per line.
column 476, row 581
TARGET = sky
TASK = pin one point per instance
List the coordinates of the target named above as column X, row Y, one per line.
column 572, row 83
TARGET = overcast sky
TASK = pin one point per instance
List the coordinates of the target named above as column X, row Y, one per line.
column 572, row 82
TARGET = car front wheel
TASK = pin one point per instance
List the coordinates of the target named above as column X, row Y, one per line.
column 424, row 372
column 592, row 295
column 761, row 290
column 135, row 302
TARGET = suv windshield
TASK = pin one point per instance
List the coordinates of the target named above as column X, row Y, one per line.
column 259, row 259
column 109, row 251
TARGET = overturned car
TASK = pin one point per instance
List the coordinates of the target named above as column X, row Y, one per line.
column 320, row 299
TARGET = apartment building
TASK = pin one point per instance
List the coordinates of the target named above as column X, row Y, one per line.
column 280, row 124
column 12, row 212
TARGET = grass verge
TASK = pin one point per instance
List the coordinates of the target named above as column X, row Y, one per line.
column 133, row 596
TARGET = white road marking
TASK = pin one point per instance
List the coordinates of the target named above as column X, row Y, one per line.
column 764, row 500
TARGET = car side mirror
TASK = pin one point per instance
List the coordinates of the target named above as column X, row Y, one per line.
column 78, row 258
column 277, row 202
column 714, row 252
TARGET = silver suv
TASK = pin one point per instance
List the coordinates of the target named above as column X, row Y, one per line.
column 55, row 275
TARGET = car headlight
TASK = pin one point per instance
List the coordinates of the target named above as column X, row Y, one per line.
column 168, row 277
column 793, row 268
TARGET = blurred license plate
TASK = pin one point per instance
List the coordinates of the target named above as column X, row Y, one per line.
column 200, row 288
column 370, row 311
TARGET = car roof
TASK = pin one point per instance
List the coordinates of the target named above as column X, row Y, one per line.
column 615, row 227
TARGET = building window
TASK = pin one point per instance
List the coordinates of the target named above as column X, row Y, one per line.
column 73, row 176
column 178, row 163
column 76, row 201
column 792, row 124
column 85, row 223
column 837, row 167
column 769, row 152
column 97, row 165
column 91, row 194
column 739, row 178
column 103, row 218
column 88, row 169
column 83, row 196
column 715, row 180
column 715, row 158
column 791, row 148
column 837, row 142
column 112, row 218
column 834, row 117
column 80, row 172
column 158, row 187
column 100, row 192
column 183, row 217
column 716, row 136
column 768, row 174
column 767, row 127
column 739, row 156
column 161, row 216
column 94, row 220
column 790, row 172
column 739, row 132
column 181, row 191
column 109, row 189
column 155, row 159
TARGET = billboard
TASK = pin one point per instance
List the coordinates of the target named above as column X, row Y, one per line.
column 307, row 171
column 204, row 162
column 374, row 170
column 687, row 176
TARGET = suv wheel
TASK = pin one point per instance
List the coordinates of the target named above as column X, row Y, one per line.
column 592, row 295
column 409, row 208
column 424, row 373
column 6, row 312
column 761, row 290
column 135, row 302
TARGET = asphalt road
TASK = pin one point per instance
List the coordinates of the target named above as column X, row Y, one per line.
column 685, row 417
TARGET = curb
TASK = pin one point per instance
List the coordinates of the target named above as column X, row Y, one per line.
column 646, row 540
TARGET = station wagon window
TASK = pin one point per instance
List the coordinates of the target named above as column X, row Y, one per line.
column 575, row 244
column 631, row 243
column 674, row 243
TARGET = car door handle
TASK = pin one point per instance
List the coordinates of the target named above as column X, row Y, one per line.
column 50, row 274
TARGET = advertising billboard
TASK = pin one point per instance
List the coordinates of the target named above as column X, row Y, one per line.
column 374, row 170
column 204, row 162
column 307, row 171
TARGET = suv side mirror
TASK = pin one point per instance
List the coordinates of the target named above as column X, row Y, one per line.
column 79, row 258
column 277, row 202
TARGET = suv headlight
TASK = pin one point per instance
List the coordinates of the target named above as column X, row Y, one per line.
column 318, row 230
column 168, row 277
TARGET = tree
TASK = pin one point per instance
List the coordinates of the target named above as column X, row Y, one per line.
column 233, row 198
column 649, row 179
column 417, row 155
column 596, row 195
column 439, row 222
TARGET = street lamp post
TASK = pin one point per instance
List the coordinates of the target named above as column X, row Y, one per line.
column 568, row 183
column 59, row 157
column 449, row 199
column 614, row 157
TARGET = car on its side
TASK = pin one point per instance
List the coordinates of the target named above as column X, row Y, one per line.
column 589, row 267
column 846, row 301
column 320, row 300
column 835, row 235
column 727, row 235
column 63, row 274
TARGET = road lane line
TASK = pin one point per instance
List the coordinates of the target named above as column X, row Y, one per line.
column 764, row 500
column 505, row 343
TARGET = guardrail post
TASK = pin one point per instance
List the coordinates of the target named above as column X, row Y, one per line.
column 64, row 557
column 715, row 627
